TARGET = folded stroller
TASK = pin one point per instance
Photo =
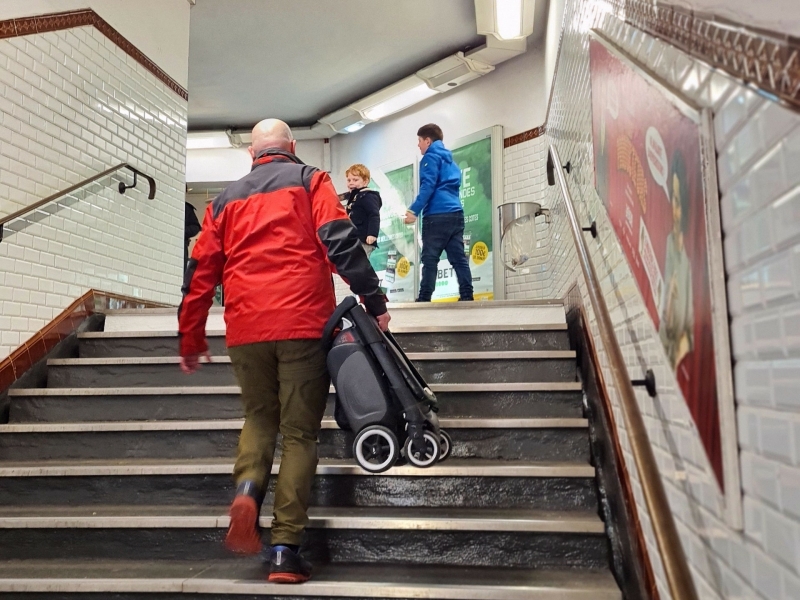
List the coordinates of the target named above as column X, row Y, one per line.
column 380, row 396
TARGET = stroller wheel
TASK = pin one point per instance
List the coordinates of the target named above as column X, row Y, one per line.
column 376, row 449
column 446, row 445
column 426, row 458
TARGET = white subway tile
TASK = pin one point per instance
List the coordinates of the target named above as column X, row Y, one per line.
column 767, row 577
column 777, row 437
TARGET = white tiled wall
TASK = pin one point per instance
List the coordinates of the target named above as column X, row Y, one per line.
column 72, row 105
column 526, row 181
column 758, row 144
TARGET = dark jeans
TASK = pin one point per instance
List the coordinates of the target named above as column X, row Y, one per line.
column 444, row 232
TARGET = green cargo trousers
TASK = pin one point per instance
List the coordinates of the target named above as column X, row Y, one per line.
column 284, row 388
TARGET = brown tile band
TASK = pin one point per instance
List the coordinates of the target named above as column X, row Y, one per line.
column 81, row 18
column 766, row 59
column 525, row 136
column 37, row 347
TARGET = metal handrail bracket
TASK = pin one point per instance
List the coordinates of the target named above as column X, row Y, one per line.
column 676, row 568
column 58, row 195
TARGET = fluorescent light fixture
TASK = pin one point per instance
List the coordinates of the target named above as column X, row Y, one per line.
column 394, row 98
column 453, row 71
column 508, row 16
column 354, row 127
column 505, row 19
column 203, row 140
column 344, row 120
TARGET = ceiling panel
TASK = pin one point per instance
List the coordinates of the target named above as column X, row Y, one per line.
column 299, row 60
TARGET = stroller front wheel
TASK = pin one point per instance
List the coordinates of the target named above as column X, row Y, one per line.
column 426, row 458
column 376, row 449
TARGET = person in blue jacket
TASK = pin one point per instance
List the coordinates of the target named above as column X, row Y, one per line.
column 442, row 213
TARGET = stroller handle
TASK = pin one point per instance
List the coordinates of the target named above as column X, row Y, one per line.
column 344, row 307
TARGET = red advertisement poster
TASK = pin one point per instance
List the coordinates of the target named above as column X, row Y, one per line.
column 649, row 174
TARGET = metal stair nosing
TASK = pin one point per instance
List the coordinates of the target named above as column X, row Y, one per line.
column 414, row 356
column 451, row 468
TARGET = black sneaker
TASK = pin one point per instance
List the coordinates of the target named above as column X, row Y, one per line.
column 287, row 566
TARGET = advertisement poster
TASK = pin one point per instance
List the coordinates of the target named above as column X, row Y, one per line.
column 649, row 172
column 395, row 260
column 475, row 162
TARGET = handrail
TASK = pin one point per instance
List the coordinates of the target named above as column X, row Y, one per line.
column 80, row 184
column 676, row 568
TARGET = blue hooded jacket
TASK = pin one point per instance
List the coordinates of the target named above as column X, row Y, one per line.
column 439, row 183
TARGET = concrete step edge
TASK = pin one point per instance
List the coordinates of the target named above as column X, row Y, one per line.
column 501, row 328
column 420, row 356
column 567, row 386
column 450, row 468
column 599, row 590
column 440, row 306
column 236, row 424
column 445, row 519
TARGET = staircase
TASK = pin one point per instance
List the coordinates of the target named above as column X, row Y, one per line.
column 115, row 478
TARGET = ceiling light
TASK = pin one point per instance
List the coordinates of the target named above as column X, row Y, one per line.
column 509, row 19
column 505, row 19
column 204, row 140
column 453, row 71
column 344, row 120
column 354, row 127
column 394, row 98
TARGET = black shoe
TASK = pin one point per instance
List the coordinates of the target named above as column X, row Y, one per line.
column 466, row 299
column 287, row 566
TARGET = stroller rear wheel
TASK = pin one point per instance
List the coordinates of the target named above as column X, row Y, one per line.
column 376, row 448
column 446, row 445
column 426, row 458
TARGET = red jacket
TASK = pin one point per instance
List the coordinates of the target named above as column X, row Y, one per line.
column 270, row 239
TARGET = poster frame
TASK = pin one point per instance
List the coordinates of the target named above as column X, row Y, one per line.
column 720, row 319
column 494, row 132
column 393, row 166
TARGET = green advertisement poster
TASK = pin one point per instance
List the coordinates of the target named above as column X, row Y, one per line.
column 395, row 259
column 475, row 162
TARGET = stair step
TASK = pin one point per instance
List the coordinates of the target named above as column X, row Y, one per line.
column 553, row 336
column 435, row 367
column 415, row 356
column 235, row 389
column 224, row 466
column 477, row 314
column 179, row 517
column 563, row 486
column 236, row 424
column 425, row 536
column 490, row 438
column 61, row 405
column 174, row 580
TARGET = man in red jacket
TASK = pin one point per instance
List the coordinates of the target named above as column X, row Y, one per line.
column 270, row 239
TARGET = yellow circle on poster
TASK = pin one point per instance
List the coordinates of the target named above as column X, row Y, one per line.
column 480, row 252
column 403, row 267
